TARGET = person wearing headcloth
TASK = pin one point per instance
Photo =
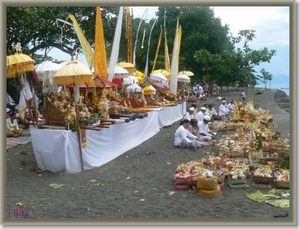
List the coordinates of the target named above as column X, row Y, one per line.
column 190, row 114
column 223, row 109
column 204, row 131
column 213, row 113
column 184, row 139
column 12, row 127
column 199, row 116
column 231, row 105
column 7, row 113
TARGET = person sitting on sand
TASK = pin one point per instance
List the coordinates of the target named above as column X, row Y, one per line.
column 12, row 126
column 204, row 131
column 213, row 113
column 199, row 116
column 231, row 105
column 190, row 114
column 223, row 109
column 184, row 139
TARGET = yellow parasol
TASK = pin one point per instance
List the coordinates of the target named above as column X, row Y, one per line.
column 73, row 72
column 188, row 73
column 128, row 66
column 166, row 73
column 140, row 76
column 18, row 64
column 149, row 90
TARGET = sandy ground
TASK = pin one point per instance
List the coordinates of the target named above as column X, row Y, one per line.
column 134, row 187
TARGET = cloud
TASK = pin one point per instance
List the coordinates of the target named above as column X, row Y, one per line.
column 271, row 25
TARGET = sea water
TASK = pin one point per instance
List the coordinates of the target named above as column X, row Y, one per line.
column 280, row 82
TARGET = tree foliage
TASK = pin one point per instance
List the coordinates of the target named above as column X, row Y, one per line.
column 207, row 49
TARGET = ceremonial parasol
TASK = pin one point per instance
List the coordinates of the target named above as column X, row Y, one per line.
column 74, row 72
column 130, row 80
column 149, row 90
column 45, row 72
column 46, row 66
column 188, row 73
column 128, row 66
column 120, row 72
column 133, row 88
column 158, row 77
column 139, row 74
column 166, row 73
column 183, row 78
column 18, row 64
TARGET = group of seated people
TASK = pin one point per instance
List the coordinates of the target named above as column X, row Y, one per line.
column 194, row 130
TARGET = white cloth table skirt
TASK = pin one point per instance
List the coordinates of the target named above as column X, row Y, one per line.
column 57, row 150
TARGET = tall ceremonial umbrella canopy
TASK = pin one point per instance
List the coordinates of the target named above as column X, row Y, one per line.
column 159, row 77
column 166, row 73
column 18, row 64
column 188, row 73
column 74, row 72
column 46, row 71
column 128, row 66
column 183, row 78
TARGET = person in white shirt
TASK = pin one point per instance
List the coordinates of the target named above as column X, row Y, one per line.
column 199, row 116
column 184, row 139
column 213, row 113
column 190, row 114
column 230, row 105
column 206, row 111
column 223, row 109
column 12, row 127
column 204, row 131
column 243, row 95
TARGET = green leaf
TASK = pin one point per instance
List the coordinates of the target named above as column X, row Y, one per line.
column 282, row 203
column 56, row 185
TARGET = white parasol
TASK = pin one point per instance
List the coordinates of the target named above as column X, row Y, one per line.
column 158, row 77
column 134, row 88
column 183, row 78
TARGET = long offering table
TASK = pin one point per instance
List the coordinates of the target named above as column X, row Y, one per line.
column 56, row 150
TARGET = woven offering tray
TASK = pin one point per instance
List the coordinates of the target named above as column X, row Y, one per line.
column 263, row 180
column 236, row 183
column 282, row 184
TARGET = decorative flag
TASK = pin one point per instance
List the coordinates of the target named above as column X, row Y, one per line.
column 146, row 67
column 116, row 44
column 129, row 35
column 100, row 62
column 87, row 50
column 175, row 58
column 137, row 35
column 157, row 49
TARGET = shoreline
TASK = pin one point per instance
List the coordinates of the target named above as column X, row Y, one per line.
column 282, row 100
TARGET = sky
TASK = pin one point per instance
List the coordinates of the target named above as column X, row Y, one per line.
column 271, row 24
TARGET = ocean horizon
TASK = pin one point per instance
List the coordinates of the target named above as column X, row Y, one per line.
column 280, row 82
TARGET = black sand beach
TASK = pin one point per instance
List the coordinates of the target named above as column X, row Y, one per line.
column 135, row 186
